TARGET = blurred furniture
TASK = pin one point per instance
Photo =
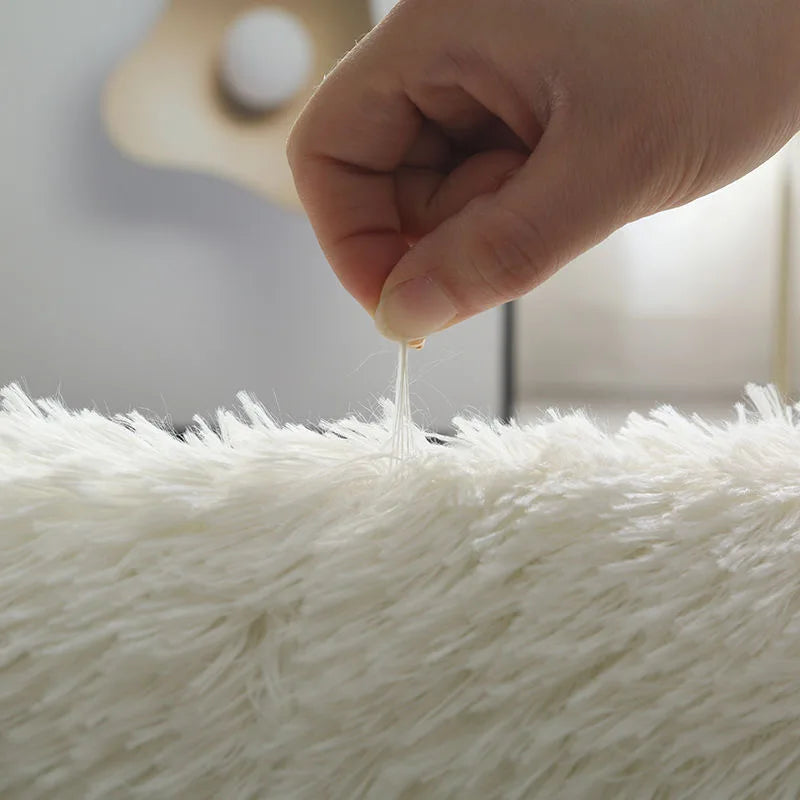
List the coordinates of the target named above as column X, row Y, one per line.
column 173, row 99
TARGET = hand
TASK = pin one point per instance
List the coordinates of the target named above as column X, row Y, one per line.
column 463, row 152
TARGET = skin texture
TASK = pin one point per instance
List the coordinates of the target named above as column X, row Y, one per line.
column 465, row 151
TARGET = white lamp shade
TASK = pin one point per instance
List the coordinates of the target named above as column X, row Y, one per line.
column 266, row 59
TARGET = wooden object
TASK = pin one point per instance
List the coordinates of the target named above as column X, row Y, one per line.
column 164, row 106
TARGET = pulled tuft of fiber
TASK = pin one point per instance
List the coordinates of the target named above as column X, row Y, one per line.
column 525, row 612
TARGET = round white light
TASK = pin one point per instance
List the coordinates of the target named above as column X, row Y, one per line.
column 380, row 8
column 266, row 59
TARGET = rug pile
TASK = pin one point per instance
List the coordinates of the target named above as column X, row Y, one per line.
column 264, row 611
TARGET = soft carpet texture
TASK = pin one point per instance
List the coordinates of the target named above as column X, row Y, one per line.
column 271, row 612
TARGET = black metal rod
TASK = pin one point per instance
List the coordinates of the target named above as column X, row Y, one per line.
column 509, row 392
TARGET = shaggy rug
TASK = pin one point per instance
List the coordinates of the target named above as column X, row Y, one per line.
column 260, row 611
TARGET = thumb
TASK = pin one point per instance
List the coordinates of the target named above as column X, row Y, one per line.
column 501, row 245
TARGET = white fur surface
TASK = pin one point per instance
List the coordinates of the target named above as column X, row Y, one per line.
column 537, row 612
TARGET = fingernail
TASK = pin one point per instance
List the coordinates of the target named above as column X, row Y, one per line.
column 413, row 310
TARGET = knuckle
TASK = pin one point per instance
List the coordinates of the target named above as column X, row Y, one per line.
column 303, row 138
column 293, row 146
column 300, row 153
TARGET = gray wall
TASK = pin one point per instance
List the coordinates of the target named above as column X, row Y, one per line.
column 123, row 286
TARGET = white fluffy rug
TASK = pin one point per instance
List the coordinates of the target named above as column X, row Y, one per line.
column 538, row 612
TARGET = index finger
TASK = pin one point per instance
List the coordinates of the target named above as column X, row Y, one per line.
column 344, row 151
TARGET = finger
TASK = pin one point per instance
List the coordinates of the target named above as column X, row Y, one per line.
column 426, row 197
column 343, row 150
column 502, row 245
column 431, row 150
column 493, row 135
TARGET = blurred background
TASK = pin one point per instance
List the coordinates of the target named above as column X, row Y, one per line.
column 685, row 307
column 152, row 254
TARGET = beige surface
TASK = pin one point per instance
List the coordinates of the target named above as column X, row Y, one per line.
column 681, row 301
column 163, row 104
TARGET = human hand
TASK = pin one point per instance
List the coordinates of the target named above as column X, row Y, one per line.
column 463, row 152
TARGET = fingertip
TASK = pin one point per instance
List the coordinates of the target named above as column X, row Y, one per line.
column 414, row 309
